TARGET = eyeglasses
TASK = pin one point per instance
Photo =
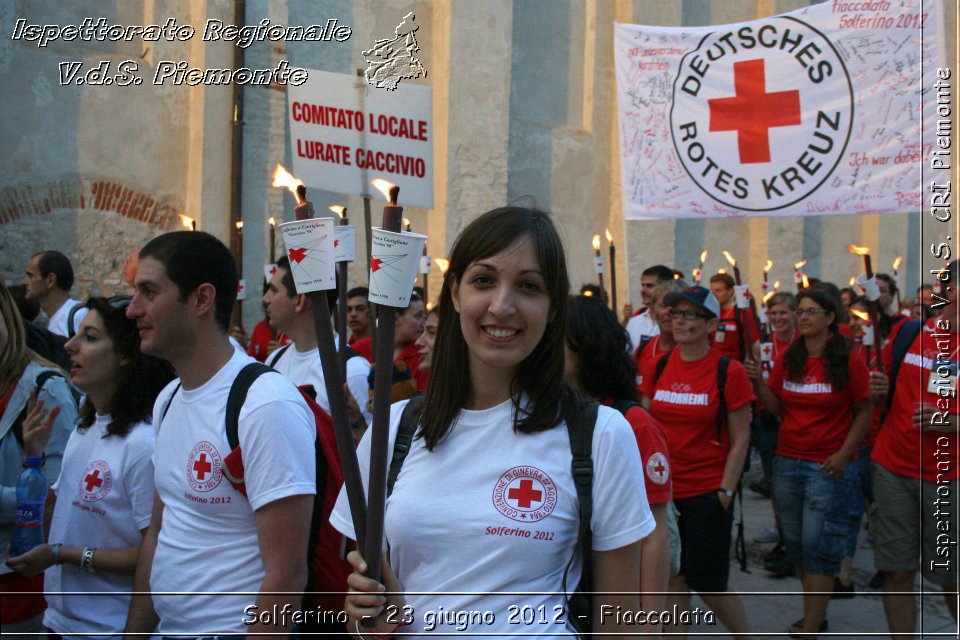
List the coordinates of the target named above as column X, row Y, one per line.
column 687, row 315
column 810, row 311
column 119, row 302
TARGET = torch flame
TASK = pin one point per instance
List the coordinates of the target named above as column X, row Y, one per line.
column 596, row 242
column 861, row 314
column 800, row 265
column 703, row 256
column 676, row 276
column 406, row 222
column 721, row 270
column 860, row 251
column 429, row 306
column 768, row 296
column 338, row 209
column 285, row 180
column 187, row 221
column 806, row 281
column 768, row 266
column 896, row 263
column 609, row 236
column 383, row 186
column 776, row 285
column 853, row 281
column 272, row 222
column 730, row 258
column 443, row 264
column 239, row 225
column 697, row 273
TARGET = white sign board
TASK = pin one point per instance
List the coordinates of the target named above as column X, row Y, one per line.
column 344, row 133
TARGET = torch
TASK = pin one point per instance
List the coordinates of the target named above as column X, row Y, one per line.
column 698, row 272
column 867, row 339
column 273, row 240
column 241, row 290
column 798, row 275
column 613, row 273
column 188, row 222
column 765, row 287
column 598, row 263
column 341, row 211
column 869, row 286
column 323, row 329
column 743, row 299
column 383, row 374
column 896, row 277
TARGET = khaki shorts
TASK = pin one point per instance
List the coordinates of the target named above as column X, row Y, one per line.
column 916, row 522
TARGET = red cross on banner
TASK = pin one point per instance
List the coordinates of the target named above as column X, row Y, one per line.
column 525, row 494
column 93, row 480
column 753, row 111
column 202, row 467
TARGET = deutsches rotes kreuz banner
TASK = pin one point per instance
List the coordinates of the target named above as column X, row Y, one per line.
column 814, row 112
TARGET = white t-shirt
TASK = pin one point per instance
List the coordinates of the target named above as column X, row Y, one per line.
column 104, row 499
column 58, row 321
column 304, row 367
column 491, row 510
column 641, row 326
column 208, row 539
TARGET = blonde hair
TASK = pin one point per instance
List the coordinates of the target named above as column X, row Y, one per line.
column 14, row 355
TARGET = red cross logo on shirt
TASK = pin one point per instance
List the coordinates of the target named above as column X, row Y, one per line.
column 93, row 480
column 753, row 111
column 201, row 466
column 525, row 495
column 298, row 255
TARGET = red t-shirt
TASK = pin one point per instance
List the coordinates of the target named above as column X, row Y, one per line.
column 814, row 417
column 876, row 417
column 684, row 401
column 901, row 447
column 410, row 356
column 726, row 339
column 654, row 454
column 649, row 351
column 260, row 340
column 364, row 346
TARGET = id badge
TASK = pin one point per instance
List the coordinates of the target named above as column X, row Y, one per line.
column 936, row 382
column 720, row 335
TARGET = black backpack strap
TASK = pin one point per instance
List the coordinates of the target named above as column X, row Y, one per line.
column 625, row 405
column 71, row 331
column 901, row 344
column 41, row 380
column 276, row 355
column 661, row 365
column 721, row 388
column 580, row 433
column 409, row 421
column 166, row 407
column 351, row 353
column 238, row 394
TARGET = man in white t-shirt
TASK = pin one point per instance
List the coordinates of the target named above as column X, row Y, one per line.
column 643, row 326
column 48, row 279
column 290, row 313
column 204, row 535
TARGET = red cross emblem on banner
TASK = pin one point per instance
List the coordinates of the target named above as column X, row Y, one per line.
column 752, row 112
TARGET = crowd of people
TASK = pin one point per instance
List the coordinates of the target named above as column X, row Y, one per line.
column 539, row 443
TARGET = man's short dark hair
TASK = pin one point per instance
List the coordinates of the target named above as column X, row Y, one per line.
column 59, row 265
column 291, row 286
column 891, row 283
column 725, row 278
column 659, row 271
column 358, row 292
column 192, row 258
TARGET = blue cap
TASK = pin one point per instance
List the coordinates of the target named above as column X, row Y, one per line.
column 698, row 296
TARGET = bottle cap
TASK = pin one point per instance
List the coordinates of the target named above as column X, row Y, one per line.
column 34, row 461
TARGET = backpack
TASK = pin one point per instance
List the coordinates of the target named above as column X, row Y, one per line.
column 905, row 337
column 71, row 327
column 741, row 542
column 580, row 432
column 323, row 548
column 42, row 377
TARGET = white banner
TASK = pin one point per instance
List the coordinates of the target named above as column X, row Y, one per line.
column 344, row 133
column 814, row 112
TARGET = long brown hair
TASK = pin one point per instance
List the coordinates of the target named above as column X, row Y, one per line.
column 14, row 355
column 540, row 375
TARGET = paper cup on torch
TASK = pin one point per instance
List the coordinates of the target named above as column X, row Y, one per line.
column 869, row 285
column 344, row 243
column 741, row 293
column 599, row 264
column 426, row 262
column 309, row 246
column 394, row 262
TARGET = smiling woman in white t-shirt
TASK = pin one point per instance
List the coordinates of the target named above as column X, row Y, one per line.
column 485, row 505
column 105, row 489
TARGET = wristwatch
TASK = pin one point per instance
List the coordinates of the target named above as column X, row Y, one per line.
column 726, row 492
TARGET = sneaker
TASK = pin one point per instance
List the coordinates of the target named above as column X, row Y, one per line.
column 781, row 568
column 876, row 582
column 767, row 536
column 779, row 552
column 761, row 487
column 841, row 590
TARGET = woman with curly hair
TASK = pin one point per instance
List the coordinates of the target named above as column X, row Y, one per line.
column 106, row 486
column 819, row 389
column 597, row 363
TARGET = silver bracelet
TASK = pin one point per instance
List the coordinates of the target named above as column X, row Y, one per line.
column 86, row 560
column 55, row 551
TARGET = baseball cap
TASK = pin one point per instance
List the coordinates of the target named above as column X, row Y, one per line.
column 698, row 296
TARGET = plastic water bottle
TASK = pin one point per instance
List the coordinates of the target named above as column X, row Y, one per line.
column 31, row 496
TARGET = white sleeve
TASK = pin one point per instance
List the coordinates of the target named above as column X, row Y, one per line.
column 277, row 435
column 621, row 512
column 78, row 317
column 138, row 476
column 358, row 373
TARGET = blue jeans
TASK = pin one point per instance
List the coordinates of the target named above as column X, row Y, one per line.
column 813, row 512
